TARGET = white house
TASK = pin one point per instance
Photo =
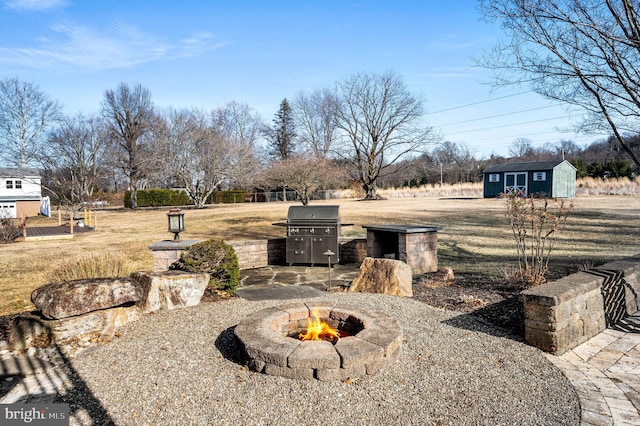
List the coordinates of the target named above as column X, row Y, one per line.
column 20, row 192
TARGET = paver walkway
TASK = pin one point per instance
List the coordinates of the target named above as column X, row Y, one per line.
column 605, row 371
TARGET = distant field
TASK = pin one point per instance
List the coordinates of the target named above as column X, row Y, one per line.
column 475, row 236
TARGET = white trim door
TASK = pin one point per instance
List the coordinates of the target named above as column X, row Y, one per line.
column 8, row 210
column 516, row 183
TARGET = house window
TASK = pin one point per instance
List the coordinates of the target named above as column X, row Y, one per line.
column 9, row 184
column 494, row 177
column 18, row 184
column 539, row 176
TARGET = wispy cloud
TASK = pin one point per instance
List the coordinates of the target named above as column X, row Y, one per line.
column 450, row 42
column 123, row 46
column 34, row 5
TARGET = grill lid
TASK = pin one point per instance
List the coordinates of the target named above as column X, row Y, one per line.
column 307, row 214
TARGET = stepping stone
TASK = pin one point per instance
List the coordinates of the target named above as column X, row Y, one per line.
column 278, row 293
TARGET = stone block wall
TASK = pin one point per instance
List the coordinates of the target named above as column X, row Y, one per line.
column 251, row 253
column 420, row 251
column 562, row 314
column 254, row 253
column 277, row 251
column 353, row 250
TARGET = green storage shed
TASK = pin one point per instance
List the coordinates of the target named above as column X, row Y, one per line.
column 556, row 179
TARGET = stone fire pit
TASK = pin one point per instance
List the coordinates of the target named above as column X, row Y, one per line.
column 374, row 340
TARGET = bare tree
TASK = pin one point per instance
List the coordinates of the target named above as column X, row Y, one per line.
column 382, row 123
column 242, row 127
column 521, row 148
column 304, row 174
column 196, row 153
column 585, row 53
column 72, row 159
column 129, row 114
column 315, row 116
column 26, row 113
column 455, row 162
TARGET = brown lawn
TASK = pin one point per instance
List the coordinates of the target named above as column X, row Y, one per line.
column 475, row 237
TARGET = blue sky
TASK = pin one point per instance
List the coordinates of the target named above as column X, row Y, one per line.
column 207, row 53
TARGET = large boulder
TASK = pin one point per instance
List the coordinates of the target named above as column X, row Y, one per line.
column 69, row 298
column 32, row 329
column 170, row 289
column 386, row 276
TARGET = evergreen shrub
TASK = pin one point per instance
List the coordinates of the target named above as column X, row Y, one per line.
column 214, row 257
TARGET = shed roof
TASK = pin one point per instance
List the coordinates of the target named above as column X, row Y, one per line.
column 524, row 167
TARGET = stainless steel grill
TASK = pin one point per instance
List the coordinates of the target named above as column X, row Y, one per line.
column 312, row 231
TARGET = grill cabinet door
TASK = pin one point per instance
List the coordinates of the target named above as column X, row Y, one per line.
column 298, row 249
column 326, row 239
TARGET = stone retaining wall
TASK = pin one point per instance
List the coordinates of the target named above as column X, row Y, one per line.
column 254, row 253
column 562, row 314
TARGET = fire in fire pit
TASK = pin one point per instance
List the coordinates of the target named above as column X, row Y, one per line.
column 319, row 330
column 291, row 341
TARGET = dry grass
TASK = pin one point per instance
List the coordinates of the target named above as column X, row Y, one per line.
column 98, row 264
column 475, row 235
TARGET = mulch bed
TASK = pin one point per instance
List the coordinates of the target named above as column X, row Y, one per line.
column 492, row 299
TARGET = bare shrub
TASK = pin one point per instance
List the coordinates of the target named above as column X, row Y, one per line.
column 536, row 224
column 107, row 264
column 11, row 229
column 472, row 301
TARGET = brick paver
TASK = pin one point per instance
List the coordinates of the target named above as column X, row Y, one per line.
column 605, row 371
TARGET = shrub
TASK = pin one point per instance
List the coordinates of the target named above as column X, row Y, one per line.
column 11, row 229
column 214, row 257
column 234, row 196
column 158, row 198
column 91, row 265
column 536, row 223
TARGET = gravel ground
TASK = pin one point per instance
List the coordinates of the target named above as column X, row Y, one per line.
column 178, row 368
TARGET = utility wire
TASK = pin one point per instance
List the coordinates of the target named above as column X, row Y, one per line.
column 479, row 102
column 497, row 115
column 504, row 125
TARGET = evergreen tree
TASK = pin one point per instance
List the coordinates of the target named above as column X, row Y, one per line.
column 282, row 134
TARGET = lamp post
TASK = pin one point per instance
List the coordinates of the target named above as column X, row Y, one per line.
column 329, row 253
column 176, row 223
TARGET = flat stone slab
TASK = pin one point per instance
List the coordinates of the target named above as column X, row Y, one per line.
column 254, row 293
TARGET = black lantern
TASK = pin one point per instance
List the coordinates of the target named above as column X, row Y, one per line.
column 176, row 223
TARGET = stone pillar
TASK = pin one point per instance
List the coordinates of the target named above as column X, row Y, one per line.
column 168, row 251
column 419, row 251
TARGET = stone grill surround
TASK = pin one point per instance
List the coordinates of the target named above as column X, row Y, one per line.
column 263, row 337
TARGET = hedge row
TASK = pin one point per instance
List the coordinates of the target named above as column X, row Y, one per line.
column 174, row 197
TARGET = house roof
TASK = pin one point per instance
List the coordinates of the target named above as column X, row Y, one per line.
column 18, row 172
column 524, row 167
column 13, row 198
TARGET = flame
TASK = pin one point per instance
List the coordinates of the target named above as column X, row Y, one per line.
column 318, row 329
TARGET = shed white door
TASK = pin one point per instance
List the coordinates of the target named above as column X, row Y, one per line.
column 516, row 183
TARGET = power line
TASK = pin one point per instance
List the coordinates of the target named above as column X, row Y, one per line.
column 498, row 115
column 479, row 102
column 504, row 125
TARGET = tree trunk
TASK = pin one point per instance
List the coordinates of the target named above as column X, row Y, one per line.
column 371, row 191
column 133, row 203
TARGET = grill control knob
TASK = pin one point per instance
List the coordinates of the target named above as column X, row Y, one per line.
column 327, row 230
column 311, row 231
